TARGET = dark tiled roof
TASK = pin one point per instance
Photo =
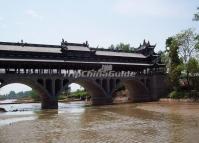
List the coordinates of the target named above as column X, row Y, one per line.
column 120, row 54
column 41, row 48
column 86, row 62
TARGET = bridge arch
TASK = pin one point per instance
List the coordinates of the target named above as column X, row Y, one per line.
column 97, row 93
column 36, row 86
column 133, row 89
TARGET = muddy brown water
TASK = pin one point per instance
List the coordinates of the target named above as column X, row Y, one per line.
column 127, row 123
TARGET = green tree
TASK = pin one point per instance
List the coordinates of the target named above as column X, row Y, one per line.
column 187, row 42
column 165, row 59
column 196, row 15
column 112, row 47
column 12, row 94
column 193, row 66
column 175, row 68
column 34, row 95
column 122, row 47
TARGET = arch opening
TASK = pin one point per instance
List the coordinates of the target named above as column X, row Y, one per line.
column 73, row 92
column 15, row 91
column 92, row 92
column 38, row 91
column 130, row 91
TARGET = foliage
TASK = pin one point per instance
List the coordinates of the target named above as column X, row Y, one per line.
column 194, row 94
column 20, row 95
column 121, row 47
column 34, row 95
column 182, row 52
column 182, row 94
column 195, row 82
column 82, row 94
column 165, row 58
column 177, row 95
column 193, row 66
column 14, row 95
column 196, row 15
column 175, row 68
column 187, row 41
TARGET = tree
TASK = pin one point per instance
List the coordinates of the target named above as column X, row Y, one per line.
column 165, row 58
column 196, row 15
column 12, row 94
column 175, row 68
column 112, row 47
column 34, row 95
column 193, row 66
column 187, row 42
column 121, row 47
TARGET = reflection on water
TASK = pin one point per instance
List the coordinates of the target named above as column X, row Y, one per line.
column 75, row 123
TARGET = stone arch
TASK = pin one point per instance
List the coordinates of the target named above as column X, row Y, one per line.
column 97, row 93
column 136, row 90
column 34, row 84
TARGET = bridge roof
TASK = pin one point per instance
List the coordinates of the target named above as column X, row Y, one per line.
column 41, row 48
column 29, row 49
column 78, row 62
column 120, row 54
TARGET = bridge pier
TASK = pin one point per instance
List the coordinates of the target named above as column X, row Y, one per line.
column 158, row 87
column 49, row 104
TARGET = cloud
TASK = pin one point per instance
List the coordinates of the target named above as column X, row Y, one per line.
column 154, row 8
column 33, row 14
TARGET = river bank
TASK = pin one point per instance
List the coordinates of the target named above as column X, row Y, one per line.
column 22, row 101
column 170, row 100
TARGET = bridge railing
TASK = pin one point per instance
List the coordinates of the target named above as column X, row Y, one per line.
column 71, row 72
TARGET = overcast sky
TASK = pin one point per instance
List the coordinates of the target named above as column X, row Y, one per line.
column 101, row 22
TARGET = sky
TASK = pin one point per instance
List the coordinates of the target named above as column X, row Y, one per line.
column 100, row 22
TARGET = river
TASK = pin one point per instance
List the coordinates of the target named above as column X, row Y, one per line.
column 73, row 122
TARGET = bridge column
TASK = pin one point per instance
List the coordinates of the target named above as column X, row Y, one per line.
column 100, row 94
column 158, row 86
column 50, row 101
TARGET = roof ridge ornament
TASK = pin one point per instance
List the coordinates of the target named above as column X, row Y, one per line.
column 144, row 42
column 86, row 44
column 148, row 43
column 22, row 43
column 64, row 45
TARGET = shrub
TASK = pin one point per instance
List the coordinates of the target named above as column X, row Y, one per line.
column 194, row 94
column 177, row 94
column 35, row 96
